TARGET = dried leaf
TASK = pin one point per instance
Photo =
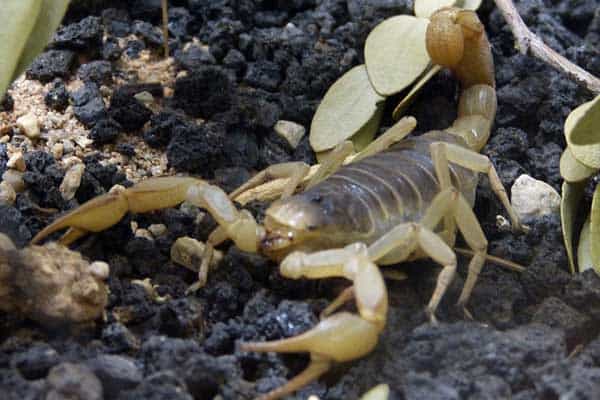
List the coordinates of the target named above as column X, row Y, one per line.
column 595, row 229
column 424, row 8
column 582, row 132
column 410, row 97
column 572, row 170
column 16, row 23
column 350, row 106
column 584, row 255
column 395, row 53
column 572, row 193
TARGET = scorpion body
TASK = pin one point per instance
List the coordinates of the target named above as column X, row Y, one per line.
column 384, row 207
column 366, row 199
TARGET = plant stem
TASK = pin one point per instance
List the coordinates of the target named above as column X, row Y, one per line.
column 165, row 21
column 527, row 41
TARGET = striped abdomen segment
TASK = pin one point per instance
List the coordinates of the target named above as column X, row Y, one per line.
column 368, row 197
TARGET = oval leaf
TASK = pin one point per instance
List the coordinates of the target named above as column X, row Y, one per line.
column 349, row 105
column 410, row 97
column 595, row 229
column 572, row 170
column 572, row 193
column 424, row 8
column 582, row 132
column 16, row 23
column 584, row 255
column 395, row 53
column 50, row 16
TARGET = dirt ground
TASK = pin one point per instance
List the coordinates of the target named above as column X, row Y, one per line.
column 238, row 67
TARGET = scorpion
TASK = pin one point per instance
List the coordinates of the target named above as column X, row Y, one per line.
column 391, row 203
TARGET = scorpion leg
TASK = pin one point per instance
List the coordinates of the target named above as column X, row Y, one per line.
column 295, row 171
column 397, row 132
column 342, row 336
column 332, row 162
column 478, row 162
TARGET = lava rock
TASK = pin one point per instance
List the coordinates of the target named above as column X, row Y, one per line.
column 204, row 92
column 180, row 22
column 151, row 35
column 129, row 112
column 196, row 149
column 111, row 50
column 162, row 385
column 163, row 353
column 205, row 374
column 51, row 64
column 556, row 314
column 88, row 105
column 162, row 126
column 180, row 317
column 116, row 21
column 194, row 57
column 57, row 97
column 133, row 48
column 12, row 224
column 235, row 61
column 119, row 339
column 116, row 373
column 105, row 131
column 145, row 9
column 85, row 35
column 99, row 72
column 73, row 381
column 36, row 361
column 125, row 149
column 264, row 75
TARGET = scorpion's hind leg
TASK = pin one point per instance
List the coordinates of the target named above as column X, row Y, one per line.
column 295, row 171
column 343, row 336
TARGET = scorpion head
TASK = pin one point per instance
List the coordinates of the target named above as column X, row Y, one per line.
column 293, row 224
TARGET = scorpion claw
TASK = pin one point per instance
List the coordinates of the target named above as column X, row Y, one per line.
column 341, row 337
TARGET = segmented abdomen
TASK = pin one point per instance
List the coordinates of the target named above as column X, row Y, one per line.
column 370, row 196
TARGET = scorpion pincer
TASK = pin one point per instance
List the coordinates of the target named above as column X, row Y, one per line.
column 383, row 207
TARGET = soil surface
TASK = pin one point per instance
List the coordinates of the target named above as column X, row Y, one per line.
column 238, row 67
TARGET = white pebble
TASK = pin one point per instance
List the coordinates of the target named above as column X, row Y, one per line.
column 290, row 131
column 533, row 198
column 16, row 161
column 71, row 181
column 157, row 229
column 29, row 125
column 15, row 179
column 7, row 194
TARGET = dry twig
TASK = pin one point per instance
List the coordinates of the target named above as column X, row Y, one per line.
column 165, row 22
column 527, row 41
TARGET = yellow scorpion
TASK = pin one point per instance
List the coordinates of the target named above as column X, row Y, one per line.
column 383, row 206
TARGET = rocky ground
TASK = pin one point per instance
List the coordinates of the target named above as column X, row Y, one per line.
column 238, row 67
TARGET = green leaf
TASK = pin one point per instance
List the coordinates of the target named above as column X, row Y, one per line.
column 595, row 229
column 395, row 53
column 572, row 193
column 349, row 106
column 411, row 95
column 50, row 16
column 572, row 170
column 584, row 255
column 582, row 132
column 16, row 23
column 424, row 8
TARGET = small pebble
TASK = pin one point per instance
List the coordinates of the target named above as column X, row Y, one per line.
column 68, row 147
column 7, row 194
column 290, row 131
column 29, row 125
column 58, row 150
column 157, row 229
column 17, row 162
column 144, row 97
column 533, row 198
column 144, row 233
column 15, row 179
column 5, row 139
column 100, row 269
column 71, row 181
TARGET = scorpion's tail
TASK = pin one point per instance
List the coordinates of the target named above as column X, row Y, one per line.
column 456, row 39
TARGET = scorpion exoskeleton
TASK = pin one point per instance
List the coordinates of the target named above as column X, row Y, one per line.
column 384, row 207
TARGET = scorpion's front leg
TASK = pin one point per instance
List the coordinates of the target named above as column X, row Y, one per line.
column 343, row 336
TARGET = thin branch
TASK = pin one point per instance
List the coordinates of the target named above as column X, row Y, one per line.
column 527, row 41
column 165, row 23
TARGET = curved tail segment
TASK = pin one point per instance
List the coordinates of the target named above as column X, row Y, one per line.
column 456, row 40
